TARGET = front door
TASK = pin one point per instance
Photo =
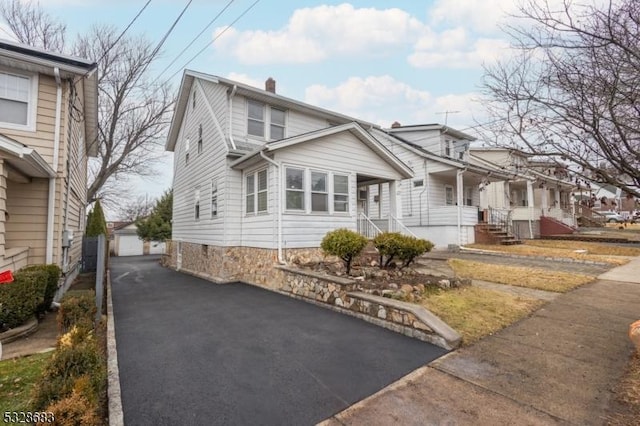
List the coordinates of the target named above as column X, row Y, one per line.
column 363, row 201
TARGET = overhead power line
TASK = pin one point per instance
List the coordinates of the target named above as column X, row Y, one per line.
column 215, row 18
column 214, row 39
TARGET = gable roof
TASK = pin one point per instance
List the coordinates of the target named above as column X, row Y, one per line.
column 354, row 128
column 443, row 129
column 251, row 92
column 32, row 59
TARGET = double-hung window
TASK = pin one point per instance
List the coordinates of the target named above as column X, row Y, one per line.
column 277, row 124
column 295, row 189
column 340, row 193
column 196, row 207
column 448, row 195
column 255, row 123
column 199, row 138
column 214, row 198
column 15, row 98
column 256, row 190
column 319, row 192
column 468, row 196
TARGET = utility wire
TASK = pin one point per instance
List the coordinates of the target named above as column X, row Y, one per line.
column 213, row 40
column 194, row 40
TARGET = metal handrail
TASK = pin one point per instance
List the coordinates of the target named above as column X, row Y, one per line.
column 500, row 218
column 366, row 227
column 395, row 225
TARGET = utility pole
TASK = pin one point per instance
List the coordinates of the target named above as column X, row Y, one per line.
column 446, row 115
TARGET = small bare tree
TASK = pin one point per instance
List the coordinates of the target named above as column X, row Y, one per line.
column 32, row 26
column 133, row 114
column 141, row 207
column 572, row 90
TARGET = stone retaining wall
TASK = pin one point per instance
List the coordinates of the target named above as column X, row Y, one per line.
column 342, row 294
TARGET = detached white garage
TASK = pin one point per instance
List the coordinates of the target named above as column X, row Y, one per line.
column 127, row 243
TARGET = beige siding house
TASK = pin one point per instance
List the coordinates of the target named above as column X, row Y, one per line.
column 48, row 128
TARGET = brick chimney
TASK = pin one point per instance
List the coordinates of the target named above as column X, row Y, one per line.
column 395, row 125
column 270, row 85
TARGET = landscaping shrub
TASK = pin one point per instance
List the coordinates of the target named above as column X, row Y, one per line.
column 77, row 308
column 74, row 410
column 53, row 273
column 388, row 245
column 77, row 357
column 411, row 248
column 345, row 244
column 392, row 245
column 20, row 299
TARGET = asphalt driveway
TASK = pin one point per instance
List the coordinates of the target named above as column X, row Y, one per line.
column 192, row 352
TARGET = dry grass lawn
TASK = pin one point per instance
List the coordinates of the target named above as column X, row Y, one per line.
column 17, row 378
column 592, row 247
column 476, row 312
column 552, row 251
column 541, row 279
column 626, row 409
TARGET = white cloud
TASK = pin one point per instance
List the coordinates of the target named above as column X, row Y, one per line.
column 478, row 15
column 451, row 50
column 313, row 34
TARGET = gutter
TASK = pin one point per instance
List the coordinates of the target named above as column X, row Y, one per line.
column 52, row 180
column 230, row 123
column 279, row 213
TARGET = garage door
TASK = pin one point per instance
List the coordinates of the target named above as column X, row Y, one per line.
column 156, row 247
column 129, row 245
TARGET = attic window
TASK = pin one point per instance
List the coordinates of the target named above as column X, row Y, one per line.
column 200, row 139
column 17, row 101
column 277, row 124
column 193, row 100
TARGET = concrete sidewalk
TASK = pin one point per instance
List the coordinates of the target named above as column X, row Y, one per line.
column 558, row 366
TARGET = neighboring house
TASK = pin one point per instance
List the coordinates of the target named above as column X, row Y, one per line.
column 538, row 192
column 126, row 242
column 48, row 127
column 260, row 178
column 442, row 201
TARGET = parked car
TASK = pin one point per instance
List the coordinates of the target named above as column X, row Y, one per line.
column 612, row 217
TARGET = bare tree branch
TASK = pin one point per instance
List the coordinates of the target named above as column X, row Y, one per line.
column 572, row 89
column 33, row 26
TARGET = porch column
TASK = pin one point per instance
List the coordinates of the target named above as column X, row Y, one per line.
column 506, row 197
column 459, row 198
column 530, row 205
column 3, row 204
column 394, row 204
column 557, row 198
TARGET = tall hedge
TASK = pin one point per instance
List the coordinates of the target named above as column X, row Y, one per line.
column 20, row 299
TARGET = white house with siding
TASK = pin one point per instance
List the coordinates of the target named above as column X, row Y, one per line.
column 442, row 201
column 48, row 128
column 267, row 174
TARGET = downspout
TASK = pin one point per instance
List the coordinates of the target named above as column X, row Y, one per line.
column 230, row 123
column 51, row 208
column 65, row 250
column 279, row 211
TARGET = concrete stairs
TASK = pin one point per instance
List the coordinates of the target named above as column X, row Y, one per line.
column 486, row 233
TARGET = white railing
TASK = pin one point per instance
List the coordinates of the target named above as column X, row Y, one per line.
column 366, row 227
column 395, row 225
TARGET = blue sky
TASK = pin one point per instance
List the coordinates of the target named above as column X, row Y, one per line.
column 377, row 60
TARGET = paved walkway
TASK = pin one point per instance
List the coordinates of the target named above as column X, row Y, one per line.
column 42, row 340
column 557, row 367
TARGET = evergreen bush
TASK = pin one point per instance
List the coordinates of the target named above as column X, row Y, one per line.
column 345, row 244
column 20, row 299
